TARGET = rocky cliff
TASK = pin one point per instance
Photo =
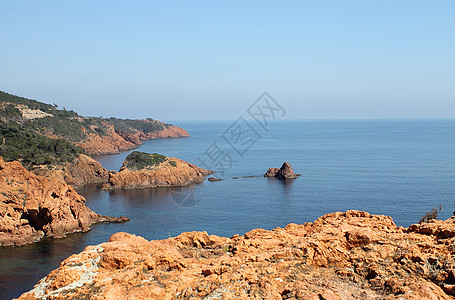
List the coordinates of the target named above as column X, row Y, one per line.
column 350, row 255
column 29, row 129
column 33, row 206
column 161, row 171
column 114, row 141
column 83, row 170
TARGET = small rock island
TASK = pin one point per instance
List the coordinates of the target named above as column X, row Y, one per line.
column 285, row 172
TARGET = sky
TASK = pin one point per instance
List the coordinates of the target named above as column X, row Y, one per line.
column 209, row 60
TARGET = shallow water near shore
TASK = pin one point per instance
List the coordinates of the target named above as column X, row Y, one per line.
column 400, row 168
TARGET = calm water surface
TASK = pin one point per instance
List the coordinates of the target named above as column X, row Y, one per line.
column 400, row 168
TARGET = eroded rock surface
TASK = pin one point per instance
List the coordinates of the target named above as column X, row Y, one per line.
column 350, row 255
column 33, row 206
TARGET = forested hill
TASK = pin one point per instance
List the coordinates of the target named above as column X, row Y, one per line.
column 36, row 133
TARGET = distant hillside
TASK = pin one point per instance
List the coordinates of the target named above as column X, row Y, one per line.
column 49, row 120
column 31, row 148
column 38, row 133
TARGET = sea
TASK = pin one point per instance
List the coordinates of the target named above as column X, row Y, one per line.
column 400, row 168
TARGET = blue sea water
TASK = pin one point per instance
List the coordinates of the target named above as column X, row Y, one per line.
column 400, row 168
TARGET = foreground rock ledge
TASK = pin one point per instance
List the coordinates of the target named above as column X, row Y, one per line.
column 351, row 255
column 34, row 206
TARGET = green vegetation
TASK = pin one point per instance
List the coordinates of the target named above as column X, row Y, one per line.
column 173, row 163
column 28, row 140
column 141, row 160
column 62, row 127
column 68, row 124
column 32, row 104
column 31, row 148
column 127, row 125
column 431, row 215
column 9, row 113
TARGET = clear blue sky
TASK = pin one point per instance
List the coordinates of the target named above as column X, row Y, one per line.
column 180, row 60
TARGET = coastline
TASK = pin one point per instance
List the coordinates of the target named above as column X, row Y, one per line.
column 325, row 183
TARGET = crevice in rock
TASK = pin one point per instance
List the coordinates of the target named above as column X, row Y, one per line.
column 38, row 218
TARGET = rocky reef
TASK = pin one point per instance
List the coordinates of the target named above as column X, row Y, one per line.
column 285, row 172
column 343, row 255
column 213, row 179
column 34, row 206
column 143, row 170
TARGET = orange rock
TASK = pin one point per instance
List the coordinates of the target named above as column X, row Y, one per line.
column 329, row 295
column 82, row 171
column 115, row 141
column 33, row 206
column 285, row 172
column 163, row 175
column 350, row 255
column 85, row 170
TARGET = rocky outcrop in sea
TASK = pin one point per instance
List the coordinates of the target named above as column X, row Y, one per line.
column 285, row 172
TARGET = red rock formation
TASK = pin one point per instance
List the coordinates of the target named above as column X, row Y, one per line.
column 351, row 255
column 33, row 206
column 271, row 172
column 82, row 171
column 285, row 172
column 167, row 132
column 115, row 142
column 85, row 170
column 163, row 175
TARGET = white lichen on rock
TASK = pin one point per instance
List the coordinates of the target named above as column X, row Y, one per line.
column 88, row 272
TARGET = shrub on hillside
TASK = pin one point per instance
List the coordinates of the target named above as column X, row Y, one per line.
column 141, row 160
column 32, row 149
column 430, row 215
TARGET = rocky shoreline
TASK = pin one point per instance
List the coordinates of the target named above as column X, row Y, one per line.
column 172, row 172
column 34, row 206
column 115, row 142
column 43, row 203
column 343, row 255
